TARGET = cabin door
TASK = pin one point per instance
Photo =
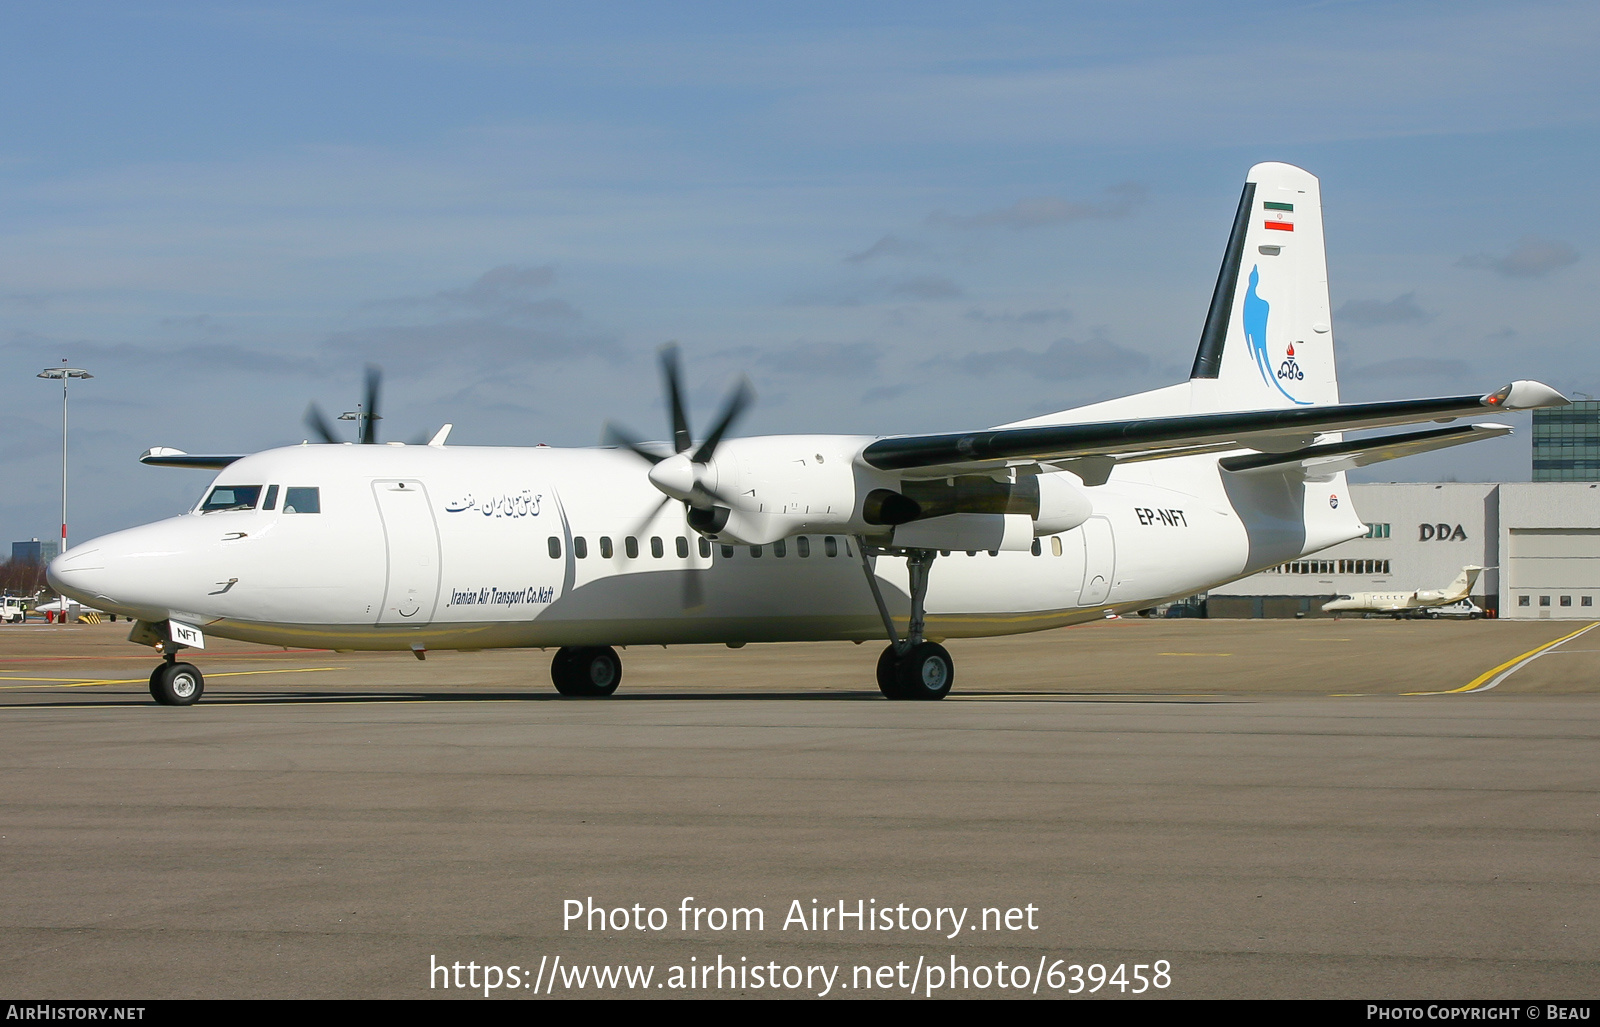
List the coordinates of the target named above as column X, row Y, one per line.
column 411, row 540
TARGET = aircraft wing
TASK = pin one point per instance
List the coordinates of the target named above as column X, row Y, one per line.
column 1275, row 431
column 161, row 456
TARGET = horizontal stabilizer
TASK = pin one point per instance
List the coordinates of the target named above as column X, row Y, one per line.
column 1280, row 430
column 1326, row 460
column 161, row 456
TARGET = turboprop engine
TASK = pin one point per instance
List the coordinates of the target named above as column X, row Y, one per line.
column 756, row 491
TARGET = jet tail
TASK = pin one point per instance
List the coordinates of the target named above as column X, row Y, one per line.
column 1457, row 590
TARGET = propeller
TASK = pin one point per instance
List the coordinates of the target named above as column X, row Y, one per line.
column 684, row 475
column 366, row 416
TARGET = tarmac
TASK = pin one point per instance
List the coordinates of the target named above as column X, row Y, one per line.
column 1346, row 809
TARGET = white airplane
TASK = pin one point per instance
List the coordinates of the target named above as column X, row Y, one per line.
column 1398, row 603
column 1055, row 520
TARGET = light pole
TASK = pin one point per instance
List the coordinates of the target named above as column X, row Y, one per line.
column 64, row 373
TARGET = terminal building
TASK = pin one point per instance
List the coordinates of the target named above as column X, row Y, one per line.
column 1539, row 543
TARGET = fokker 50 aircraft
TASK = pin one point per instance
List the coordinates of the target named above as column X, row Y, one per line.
column 1398, row 603
column 914, row 539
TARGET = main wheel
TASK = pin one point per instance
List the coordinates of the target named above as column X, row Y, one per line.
column 586, row 670
column 925, row 671
column 177, row 684
column 888, row 683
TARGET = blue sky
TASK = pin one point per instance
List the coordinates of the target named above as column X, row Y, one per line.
column 894, row 217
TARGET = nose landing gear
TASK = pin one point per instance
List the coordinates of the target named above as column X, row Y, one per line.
column 176, row 684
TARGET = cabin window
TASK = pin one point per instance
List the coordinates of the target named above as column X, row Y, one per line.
column 1544, row 600
column 630, row 545
column 683, row 548
column 830, row 545
column 727, row 552
column 271, row 502
column 555, row 548
column 1522, row 600
column 1566, row 600
column 755, row 551
column 705, row 549
column 1586, row 601
column 302, row 500
column 655, row 546
column 802, row 546
column 232, row 497
column 605, row 547
column 580, row 547
column 779, row 548
column 1038, row 550
column 972, row 552
column 1055, row 545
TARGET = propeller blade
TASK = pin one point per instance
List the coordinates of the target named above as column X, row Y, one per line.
column 616, row 436
column 638, row 529
column 319, row 424
column 741, row 396
column 693, row 594
column 680, row 414
column 367, row 426
column 713, row 497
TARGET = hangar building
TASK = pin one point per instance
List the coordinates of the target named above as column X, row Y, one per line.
column 1539, row 543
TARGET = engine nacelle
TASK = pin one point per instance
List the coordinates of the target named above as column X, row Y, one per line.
column 1062, row 505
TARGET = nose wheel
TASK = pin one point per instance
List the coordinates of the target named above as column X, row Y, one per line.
column 177, row 684
column 587, row 670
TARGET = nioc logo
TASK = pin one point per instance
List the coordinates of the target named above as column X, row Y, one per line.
column 1440, row 533
column 1289, row 369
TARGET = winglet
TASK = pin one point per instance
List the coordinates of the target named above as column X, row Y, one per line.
column 440, row 435
column 1525, row 395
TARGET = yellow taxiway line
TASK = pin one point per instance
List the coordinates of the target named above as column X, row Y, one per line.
column 1492, row 677
column 81, row 683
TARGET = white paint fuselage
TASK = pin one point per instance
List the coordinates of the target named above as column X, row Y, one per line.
column 450, row 548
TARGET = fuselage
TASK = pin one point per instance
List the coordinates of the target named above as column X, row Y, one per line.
column 472, row 548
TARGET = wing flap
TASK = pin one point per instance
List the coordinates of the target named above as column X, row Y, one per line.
column 1327, row 459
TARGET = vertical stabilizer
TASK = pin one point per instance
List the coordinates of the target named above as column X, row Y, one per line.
column 1462, row 586
column 1268, row 337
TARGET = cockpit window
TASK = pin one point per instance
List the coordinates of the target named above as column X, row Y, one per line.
column 302, row 500
column 231, row 497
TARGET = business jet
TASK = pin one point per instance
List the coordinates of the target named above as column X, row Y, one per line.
column 910, row 539
column 1403, row 604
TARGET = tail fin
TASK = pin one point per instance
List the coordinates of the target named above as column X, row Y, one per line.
column 1464, row 581
column 1268, row 337
column 1457, row 590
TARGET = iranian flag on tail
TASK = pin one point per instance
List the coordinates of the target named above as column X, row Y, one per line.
column 1278, row 216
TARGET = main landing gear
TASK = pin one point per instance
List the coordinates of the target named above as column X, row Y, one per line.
column 591, row 670
column 176, row 684
column 913, row 668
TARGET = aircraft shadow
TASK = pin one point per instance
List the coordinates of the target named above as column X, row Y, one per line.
column 402, row 698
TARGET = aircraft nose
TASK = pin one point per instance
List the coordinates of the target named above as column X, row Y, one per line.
column 124, row 572
column 72, row 574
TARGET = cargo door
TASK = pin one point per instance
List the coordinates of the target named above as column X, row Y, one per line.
column 1099, row 561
